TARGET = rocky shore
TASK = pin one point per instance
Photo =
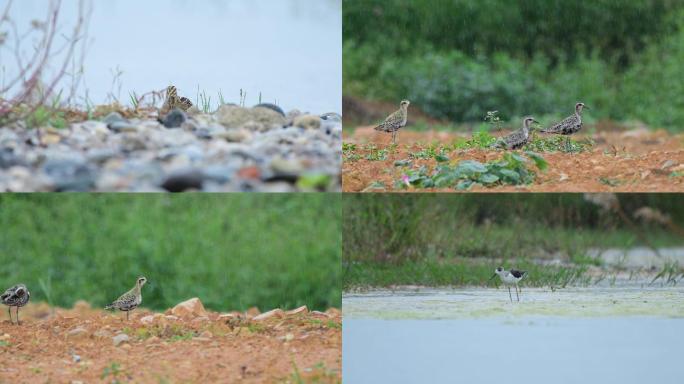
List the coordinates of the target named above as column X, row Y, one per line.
column 235, row 149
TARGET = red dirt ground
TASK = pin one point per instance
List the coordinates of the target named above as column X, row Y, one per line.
column 635, row 161
column 76, row 346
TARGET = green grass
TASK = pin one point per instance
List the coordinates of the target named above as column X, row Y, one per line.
column 456, row 272
column 233, row 251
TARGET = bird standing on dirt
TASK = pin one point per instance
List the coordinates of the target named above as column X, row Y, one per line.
column 519, row 138
column 131, row 299
column 395, row 121
column 173, row 101
column 16, row 296
column 568, row 126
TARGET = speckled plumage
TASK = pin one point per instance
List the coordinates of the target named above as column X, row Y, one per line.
column 16, row 296
column 519, row 138
column 569, row 125
column 173, row 101
column 131, row 299
column 395, row 121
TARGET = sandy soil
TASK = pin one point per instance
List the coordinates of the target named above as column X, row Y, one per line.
column 78, row 346
column 627, row 161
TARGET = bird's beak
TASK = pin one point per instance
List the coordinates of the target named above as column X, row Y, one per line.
column 493, row 276
column 587, row 107
column 535, row 121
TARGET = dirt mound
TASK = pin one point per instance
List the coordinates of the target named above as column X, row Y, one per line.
column 620, row 161
column 87, row 345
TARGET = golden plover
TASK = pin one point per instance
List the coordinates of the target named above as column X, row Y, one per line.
column 395, row 121
column 509, row 278
column 16, row 296
column 568, row 126
column 173, row 101
column 131, row 299
column 518, row 138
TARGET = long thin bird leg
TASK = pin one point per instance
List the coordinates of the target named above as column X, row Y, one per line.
column 18, row 322
column 509, row 294
column 127, row 315
column 9, row 311
column 516, row 292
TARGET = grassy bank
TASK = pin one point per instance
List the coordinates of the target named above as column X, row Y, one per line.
column 233, row 251
column 465, row 59
column 443, row 239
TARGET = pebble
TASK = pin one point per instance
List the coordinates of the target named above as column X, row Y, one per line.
column 235, row 149
column 119, row 339
column 175, row 118
column 77, row 333
column 270, row 314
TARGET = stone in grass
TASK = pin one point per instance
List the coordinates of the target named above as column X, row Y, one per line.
column 175, row 118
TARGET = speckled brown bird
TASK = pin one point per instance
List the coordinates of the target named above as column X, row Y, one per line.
column 395, row 121
column 16, row 296
column 131, row 299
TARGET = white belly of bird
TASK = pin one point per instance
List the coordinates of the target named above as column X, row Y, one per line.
column 509, row 279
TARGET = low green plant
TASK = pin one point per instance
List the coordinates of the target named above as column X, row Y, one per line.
column 558, row 143
column 480, row 140
column 349, row 152
column 512, row 169
column 375, row 154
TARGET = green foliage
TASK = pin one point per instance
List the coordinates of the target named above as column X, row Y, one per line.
column 558, row 143
column 512, row 168
column 559, row 29
column 455, row 272
column 375, row 154
column 621, row 58
column 349, row 152
column 233, row 251
column 480, row 140
column 393, row 229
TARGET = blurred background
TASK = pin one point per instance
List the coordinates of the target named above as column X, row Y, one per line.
column 233, row 251
column 440, row 239
column 457, row 59
column 287, row 51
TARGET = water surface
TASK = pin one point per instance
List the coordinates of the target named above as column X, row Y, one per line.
column 628, row 333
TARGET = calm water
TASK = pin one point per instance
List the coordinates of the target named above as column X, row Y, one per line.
column 289, row 50
column 533, row 350
column 621, row 334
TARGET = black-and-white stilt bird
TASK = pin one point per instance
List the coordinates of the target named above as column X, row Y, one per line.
column 509, row 278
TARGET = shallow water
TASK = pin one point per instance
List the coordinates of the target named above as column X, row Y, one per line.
column 632, row 300
column 289, row 50
column 622, row 334
column 531, row 349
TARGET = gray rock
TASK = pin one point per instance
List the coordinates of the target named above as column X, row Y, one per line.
column 256, row 119
column 123, row 126
column 175, row 118
column 119, row 339
column 113, row 117
column 272, row 107
column 70, row 174
column 307, row 122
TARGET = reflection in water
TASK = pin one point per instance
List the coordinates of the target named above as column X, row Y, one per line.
column 287, row 50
